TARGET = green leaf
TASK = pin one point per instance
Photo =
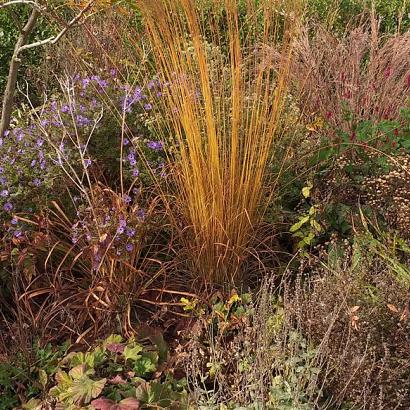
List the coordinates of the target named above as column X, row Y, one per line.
column 295, row 227
column 315, row 225
column 63, row 379
column 146, row 364
column 81, row 358
column 43, row 378
column 188, row 305
column 80, row 371
column 112, row 339
column 306, row 191
column 132, row 353
column 84, row 390
column 405, row 143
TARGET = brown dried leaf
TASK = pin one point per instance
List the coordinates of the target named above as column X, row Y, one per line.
column 392, row 308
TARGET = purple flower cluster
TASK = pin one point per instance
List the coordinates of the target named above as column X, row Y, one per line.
column 155, row 145
column 29, row 163
column 108, row 230
column 24, row 165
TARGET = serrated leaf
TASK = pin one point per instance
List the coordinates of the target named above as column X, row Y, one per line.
column 112, row 339
column 78, row 371
column 84, row 390
column 63, row 379
column 79, row 358
column 132, row 353
column 146, row 364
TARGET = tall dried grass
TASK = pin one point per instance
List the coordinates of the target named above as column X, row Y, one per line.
column 357, row 77
column 224, row 114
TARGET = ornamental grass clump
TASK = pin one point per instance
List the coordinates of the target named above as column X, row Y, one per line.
column 223, row 101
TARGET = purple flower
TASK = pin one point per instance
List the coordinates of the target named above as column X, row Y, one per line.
column 65, row 108
column 3, row 180
column 113, row 72
column 4, row 193
column 37, row 182
column 20, row 136
column 44, row 123
column 133, row 162
column 87, row 162
column 39, row 142
column 85, row 82
column 18, row 233
column 8, row 207
column 126, row 141
column 122, row 223
column 141, row 214
column 127, row 199
column 135, row 172
column 148, row 107
column 129, row 247
column 1, row 142
column 1, row 170
column 82, row 121
column 155, row 145
column 7, row 132
column 137, row 94
column 14, row 221
column 33, row 163
column 130, row 232
column 120, row 230
column 102, row 83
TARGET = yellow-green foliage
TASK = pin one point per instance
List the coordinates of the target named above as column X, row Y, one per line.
column 223, row 117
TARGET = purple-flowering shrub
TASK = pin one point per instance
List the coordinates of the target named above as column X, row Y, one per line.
column 82, row 130
column 29, row 172
column 120, row 117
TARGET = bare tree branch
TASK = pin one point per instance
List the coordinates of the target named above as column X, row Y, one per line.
column 54, row 39
column 26, row 2
column 21, row 45
column 13, row 70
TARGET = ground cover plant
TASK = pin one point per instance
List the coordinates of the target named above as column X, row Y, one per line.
column 204, row 204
